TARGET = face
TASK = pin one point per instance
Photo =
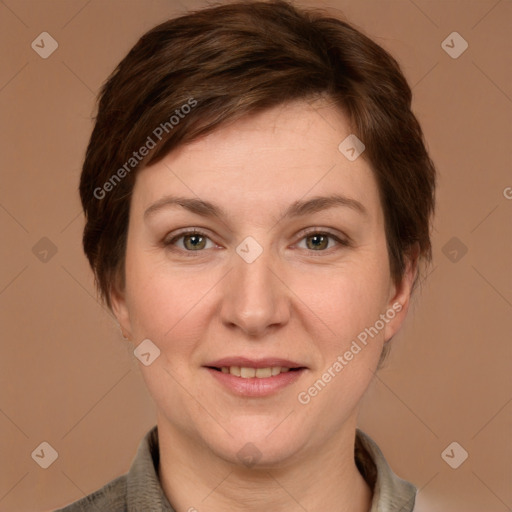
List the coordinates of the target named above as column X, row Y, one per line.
column 258, row 248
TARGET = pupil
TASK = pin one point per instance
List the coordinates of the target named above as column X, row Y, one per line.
column 318, row 241
column 195, row 240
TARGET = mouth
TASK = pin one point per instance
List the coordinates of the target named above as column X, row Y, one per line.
column 248, row 372
column 255, row 378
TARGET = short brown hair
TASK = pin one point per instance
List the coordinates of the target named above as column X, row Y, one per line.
column 233, row 60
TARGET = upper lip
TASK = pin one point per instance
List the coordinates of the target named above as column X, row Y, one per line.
column 254, row 363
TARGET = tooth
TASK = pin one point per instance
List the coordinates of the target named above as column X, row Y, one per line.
column 247, row 372
column 263, row 373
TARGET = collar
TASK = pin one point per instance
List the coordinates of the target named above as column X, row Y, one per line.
column 390, row 493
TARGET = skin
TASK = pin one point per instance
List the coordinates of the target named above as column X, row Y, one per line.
column 294, row 301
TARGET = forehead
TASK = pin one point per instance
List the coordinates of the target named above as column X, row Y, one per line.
column 267, row 160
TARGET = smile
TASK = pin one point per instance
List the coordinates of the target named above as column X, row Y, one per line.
column 250, row 382
column 260, row 373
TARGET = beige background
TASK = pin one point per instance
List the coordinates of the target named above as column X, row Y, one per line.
column 66, row 376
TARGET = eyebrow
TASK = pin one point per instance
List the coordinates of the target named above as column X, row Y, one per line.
column 296, row 209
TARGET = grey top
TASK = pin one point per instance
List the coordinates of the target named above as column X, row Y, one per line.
column 139, row 490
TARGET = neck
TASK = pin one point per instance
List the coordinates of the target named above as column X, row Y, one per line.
column 195, row 479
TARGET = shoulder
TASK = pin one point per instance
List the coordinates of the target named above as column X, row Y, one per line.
column 111, row 497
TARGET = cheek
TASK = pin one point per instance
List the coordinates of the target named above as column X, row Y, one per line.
column 166, row 305
column 343, row 301
column 343, row 307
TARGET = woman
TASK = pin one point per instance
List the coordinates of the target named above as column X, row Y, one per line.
column 258, row 199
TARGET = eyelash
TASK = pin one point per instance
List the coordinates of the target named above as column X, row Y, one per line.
column 313, row 231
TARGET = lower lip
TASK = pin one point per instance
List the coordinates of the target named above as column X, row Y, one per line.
column 254, row 387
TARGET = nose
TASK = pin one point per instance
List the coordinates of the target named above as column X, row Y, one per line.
column 255, row 299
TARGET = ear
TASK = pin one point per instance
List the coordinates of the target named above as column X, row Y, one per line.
column 400, row 294
column 120, row 310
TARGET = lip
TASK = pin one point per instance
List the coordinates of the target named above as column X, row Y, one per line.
column 254, row 363
column 254, row 386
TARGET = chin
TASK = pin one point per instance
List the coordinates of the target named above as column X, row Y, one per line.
column 258, row 446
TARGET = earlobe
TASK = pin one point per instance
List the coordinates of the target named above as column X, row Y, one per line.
column 120, row 310
column 400, row 295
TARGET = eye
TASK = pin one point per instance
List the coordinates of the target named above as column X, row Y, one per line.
column 196, row 241
column 190, row 241
column 319, row 241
